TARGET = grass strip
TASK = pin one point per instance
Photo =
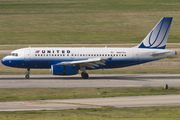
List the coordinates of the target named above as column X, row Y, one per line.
column 25, row 94
column 18, row 46
column 137, row 113
column 83, row 21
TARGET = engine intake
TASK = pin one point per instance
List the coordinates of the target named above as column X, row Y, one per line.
column 63, row 70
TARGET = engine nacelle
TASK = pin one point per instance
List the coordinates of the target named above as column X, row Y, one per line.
column 63, row 70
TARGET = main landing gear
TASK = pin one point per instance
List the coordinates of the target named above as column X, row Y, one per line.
column 84, row 75
column 27, row 74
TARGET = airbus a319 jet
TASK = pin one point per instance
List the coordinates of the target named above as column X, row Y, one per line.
column 69, row 60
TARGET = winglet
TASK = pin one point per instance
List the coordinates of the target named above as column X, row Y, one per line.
column 157, row 37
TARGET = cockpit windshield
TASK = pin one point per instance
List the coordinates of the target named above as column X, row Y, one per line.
column 13, row 54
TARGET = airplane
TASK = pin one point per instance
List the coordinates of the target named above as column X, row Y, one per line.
column 69, row 60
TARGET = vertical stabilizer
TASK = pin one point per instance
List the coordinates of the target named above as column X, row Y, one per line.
column 158, row 36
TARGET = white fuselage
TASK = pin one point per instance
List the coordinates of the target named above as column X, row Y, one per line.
column 43, row 57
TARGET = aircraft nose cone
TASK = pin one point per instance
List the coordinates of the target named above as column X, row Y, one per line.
column 3, row 61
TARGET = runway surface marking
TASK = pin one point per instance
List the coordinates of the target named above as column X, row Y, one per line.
column 132, row 101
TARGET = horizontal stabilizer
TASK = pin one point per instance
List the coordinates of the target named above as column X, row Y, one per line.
column 159, row 53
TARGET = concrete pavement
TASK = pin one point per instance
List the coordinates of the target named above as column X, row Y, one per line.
column 132, row 101
column 95, row 80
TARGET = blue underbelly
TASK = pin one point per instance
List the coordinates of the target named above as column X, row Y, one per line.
column 46, row 64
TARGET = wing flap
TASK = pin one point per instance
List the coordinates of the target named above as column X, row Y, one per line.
column 86, row 63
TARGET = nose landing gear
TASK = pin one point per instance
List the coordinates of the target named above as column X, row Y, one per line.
column 27, row 74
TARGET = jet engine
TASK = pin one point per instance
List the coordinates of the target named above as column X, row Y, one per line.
column 63, row 70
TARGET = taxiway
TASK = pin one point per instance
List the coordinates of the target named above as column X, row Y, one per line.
column 132, row 101
column 95, row 80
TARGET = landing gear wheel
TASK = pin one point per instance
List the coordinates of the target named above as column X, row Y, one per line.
column 84, row 75
column 27, row 76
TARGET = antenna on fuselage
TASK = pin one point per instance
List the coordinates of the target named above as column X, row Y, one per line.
column 29, row 46
column 106, row 46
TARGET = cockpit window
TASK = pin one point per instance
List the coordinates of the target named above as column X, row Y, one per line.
column 13, row 54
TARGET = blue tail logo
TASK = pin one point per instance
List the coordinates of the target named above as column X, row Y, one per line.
column 158, row 36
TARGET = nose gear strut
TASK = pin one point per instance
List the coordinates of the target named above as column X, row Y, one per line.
column 27, row 74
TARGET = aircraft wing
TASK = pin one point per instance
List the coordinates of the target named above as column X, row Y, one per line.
column 91, row 62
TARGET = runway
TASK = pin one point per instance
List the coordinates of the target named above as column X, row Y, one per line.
column 117, row 102
column 95, row 80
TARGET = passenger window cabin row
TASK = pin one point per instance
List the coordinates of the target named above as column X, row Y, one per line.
column 74, row 55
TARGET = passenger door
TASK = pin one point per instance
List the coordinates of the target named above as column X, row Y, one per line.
column 27, row 55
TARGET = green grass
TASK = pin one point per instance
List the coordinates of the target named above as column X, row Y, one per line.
column 18, row 46
column 25, row 94
column 84, row 21
column 137, row 113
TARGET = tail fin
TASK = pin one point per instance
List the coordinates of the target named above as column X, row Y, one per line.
column 157, row 38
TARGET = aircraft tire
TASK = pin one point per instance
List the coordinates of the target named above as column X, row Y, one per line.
column 82, row 74
column 27, row 76
column 85, row 75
